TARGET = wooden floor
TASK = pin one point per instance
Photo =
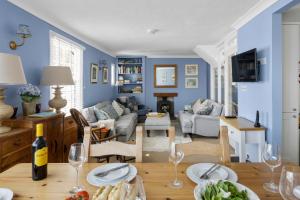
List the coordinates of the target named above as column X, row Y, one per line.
column 149, row 157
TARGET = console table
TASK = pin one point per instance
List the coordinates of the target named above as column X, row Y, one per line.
column 245, row 138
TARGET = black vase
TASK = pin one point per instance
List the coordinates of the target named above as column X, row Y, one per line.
column 38, row 107
column 257, row 124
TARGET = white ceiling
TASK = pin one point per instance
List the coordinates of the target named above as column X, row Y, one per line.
column 120, row 26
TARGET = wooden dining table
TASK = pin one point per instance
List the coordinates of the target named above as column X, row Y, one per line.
column 156, row 176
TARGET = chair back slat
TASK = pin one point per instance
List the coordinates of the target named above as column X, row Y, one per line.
column 114, row 147
column 206, row 149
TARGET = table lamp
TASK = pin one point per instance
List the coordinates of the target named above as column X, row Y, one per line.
column 57, row 75
column 11, row 73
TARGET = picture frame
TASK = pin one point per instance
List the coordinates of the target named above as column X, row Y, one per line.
column 191, row 69
column 104, row 75
column 191, row 82
column 165, row 76
column 94, row 71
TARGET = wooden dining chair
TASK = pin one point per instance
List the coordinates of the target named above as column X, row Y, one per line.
column 221, row 150
column 113, row 147
column 97, row 136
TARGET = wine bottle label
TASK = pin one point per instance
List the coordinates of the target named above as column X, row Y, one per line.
column 41, row 157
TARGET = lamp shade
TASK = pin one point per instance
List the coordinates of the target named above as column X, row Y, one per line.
column 57, row 75
column 11, row 70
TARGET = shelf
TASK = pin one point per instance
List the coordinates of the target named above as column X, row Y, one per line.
column 130, row 74
column 130, row 63
column 131, row 84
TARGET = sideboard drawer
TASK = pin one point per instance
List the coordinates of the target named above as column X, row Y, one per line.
column 16, row 142
column 21, row 156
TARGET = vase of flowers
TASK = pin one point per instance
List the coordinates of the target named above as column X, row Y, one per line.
column 30, row 94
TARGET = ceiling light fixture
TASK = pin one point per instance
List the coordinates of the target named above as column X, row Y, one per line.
column 152, row 31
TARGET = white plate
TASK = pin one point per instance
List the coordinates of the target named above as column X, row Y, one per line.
column 6, row 194
column 117, row 174
column 232, row 176
column 91, row 179
column 219, row 174
column 199, row 189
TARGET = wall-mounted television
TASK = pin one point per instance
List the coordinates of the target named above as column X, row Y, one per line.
column 245, row 67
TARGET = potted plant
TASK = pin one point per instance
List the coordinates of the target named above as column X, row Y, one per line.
column 30, row 94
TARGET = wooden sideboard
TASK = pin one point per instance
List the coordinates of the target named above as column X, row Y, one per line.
column 60, row 132
column 15, row 147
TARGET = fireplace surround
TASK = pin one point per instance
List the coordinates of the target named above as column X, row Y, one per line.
column 165, row 103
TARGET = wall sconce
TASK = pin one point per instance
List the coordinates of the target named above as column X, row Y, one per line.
column 23, row 33
column 102, row 63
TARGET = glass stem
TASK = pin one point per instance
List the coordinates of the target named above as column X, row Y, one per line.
column 176, row 179
column 272, row 176
column 77, row 177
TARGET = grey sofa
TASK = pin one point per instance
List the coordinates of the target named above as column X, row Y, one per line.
column 124, row 125
column 204, row 125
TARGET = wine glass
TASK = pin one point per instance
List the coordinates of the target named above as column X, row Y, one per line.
column 176, row 155
column 76, row 159
column 272, row 158
column 289, row 186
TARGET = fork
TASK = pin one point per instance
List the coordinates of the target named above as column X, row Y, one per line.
column 102, row 174
column 210, row 171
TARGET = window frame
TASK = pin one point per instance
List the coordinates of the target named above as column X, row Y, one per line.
column 82, row 48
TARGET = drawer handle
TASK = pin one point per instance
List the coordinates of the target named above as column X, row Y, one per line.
column 71, row 122
column 18, row 142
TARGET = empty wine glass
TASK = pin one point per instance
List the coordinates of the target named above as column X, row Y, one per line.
column 272, row 158
column 289, row 185
column 176, row 155
column 76, row 159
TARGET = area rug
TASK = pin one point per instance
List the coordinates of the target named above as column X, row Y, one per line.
column 159, row 142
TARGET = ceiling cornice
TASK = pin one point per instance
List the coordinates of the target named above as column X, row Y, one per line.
column 172, row 56
column 53, row 22
column 252, row 12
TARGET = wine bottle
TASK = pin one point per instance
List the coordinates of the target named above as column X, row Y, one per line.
column 39, row 155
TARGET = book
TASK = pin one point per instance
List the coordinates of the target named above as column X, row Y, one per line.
column 43, row 114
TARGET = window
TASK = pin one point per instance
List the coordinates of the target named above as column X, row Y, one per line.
column 64, row 52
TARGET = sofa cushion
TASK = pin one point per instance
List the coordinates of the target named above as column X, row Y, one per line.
column 118, row 108
column 217, row 109
column 102, row 104
column 204, row 108
column 111, row 112
column 89, row 114
column 101, row 115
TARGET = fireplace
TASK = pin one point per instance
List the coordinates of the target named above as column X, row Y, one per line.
column 165, row 103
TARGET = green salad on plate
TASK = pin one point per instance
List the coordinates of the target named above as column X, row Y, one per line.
column 223, row 190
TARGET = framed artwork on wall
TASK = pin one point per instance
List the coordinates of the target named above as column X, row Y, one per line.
column 94, row 73
column 191, row 70
column 105, row 75
column 165, row 76
column 191, row 82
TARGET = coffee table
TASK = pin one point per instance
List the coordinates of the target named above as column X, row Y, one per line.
column 158, row 123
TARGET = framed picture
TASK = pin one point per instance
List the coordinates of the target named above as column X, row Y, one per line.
column 105, row 75
column 165, row 76
column 94, row 73
column 191, row 70
column 191, row 82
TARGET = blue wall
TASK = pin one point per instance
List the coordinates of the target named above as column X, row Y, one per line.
column 264, row 33
column 35, row 55
column 185, row 96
